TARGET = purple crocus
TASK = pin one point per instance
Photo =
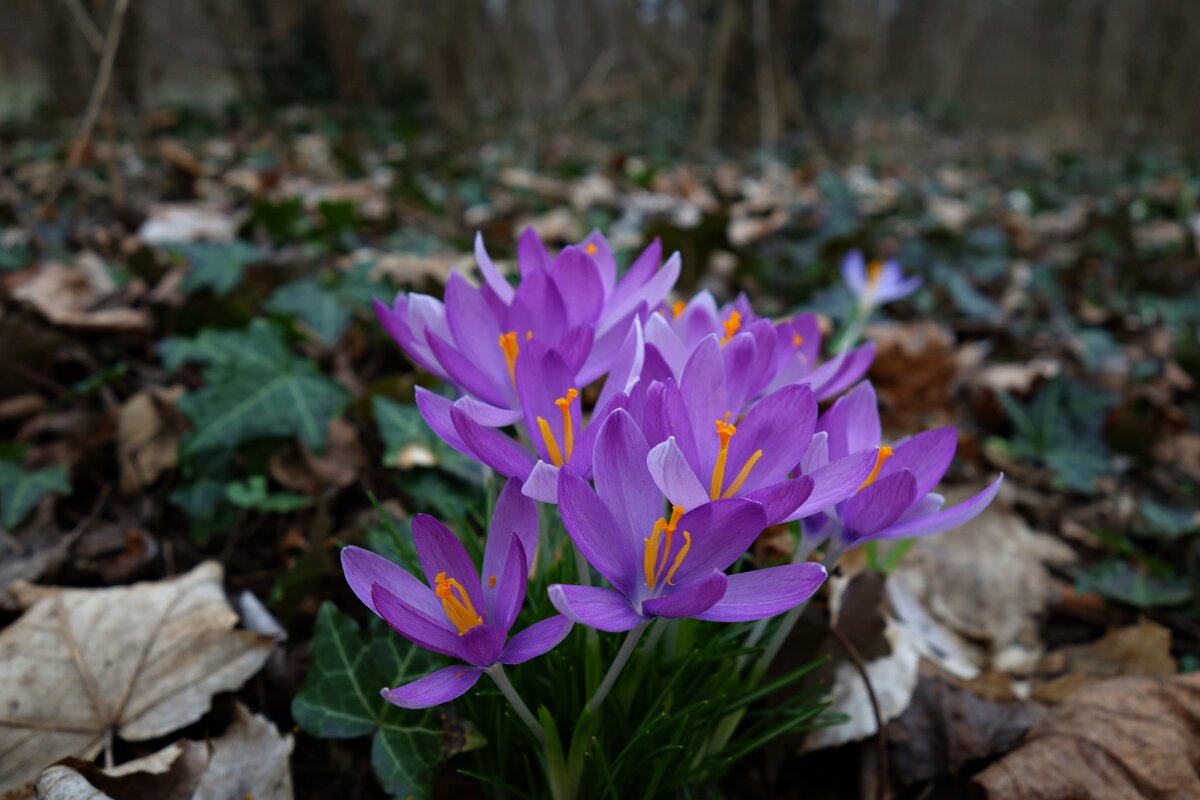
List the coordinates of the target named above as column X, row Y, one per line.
column 571, row 303
column 770, row 355
column 876, row 282
column 664, row 565
column 707, row 449
column 454, row 612
column 896, row 500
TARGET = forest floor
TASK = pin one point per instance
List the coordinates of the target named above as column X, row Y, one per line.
column 200, row 268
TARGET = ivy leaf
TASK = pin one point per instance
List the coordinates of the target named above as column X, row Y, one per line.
column 314, row 305
column 1119, row 581
column 21, row 491
column 215, row 266
column 340, row 700
column 261, row 346
column 253, row 494
column 410, row 443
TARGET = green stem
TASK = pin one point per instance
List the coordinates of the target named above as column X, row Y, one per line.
column 510, row 693
column 618, row 664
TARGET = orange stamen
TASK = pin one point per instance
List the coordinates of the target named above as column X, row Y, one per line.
column 745, row 473
column 874, row 271
column 508, row 344
column 591, row 249
column 797, row 340
column 885, row 453
column 564, row 405
column 725, row 432
column 456, row 603
column 652, row 565
column 677, row 308
column 731, row 326
column 551, row 443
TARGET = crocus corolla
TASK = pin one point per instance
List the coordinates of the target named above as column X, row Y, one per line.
column 876, row 282
column 664, row 565
column 454, row 612
column 896, row 500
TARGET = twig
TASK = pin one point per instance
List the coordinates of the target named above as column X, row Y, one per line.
column 86, row 25
column 880, row 732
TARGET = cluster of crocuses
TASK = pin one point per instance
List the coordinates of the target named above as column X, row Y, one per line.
column 668, row 433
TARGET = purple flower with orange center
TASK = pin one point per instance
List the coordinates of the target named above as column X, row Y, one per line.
column 874, row 283
column 896, row 500
column 454, row 612
column 664, row 565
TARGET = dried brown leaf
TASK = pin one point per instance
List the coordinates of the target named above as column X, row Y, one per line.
column 148, row 432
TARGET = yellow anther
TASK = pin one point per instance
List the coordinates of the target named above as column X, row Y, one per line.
column 725, row 432
column 731, row 326
column 551, row 443
column 683, row 551
column 658, row 544
column 591, row 248
column 677, row 308
column 456, row 603
column 885, row 453
column 874, row 271
column 745, row 473
column 564, row 405
column 797, row 340
column 508, row 344
column 492, row 582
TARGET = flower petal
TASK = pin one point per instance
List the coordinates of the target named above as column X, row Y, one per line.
column 927, row 456
column 500, row 286
column 363, row 569
column 531, row 254
column 542, row 483
column 592, row 528
column 721, row 531
column 435, row 410
column 514, row 514
column 492, row 447
column 481, row 645
column 766, row 592
column 689, row 600
column 411, row 623
column 834, row 482
column 781, row 499
column 878, row 505
column 463, row 372
column 854, row 272
column 596, row 606
column 537, row 639
column 447, row 684
column 945, row 519
column 577, row 277
column 623, row 480
column 504, row 589
column 439, row 550
column 781, row 426
column 485, row 414
column 674, row 476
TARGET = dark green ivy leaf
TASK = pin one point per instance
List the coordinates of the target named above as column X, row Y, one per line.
column 313, row 304
column 21, row 491
column 215, row 265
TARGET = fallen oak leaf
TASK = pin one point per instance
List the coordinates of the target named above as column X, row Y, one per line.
column 1126, row 738
column 148, row 432
column 140, row 661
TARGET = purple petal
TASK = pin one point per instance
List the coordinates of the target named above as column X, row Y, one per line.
column 674, row 476
column 927, row 456
column 395, row 320
column 670, row 347
column 363, row 569
column 781, row 499
column 605, row 347
column 639, row 272
column 413, row 624
column 542, row 483
column 596, row 606
column 594, row 531
column 817, row 454
column 439, row 550
column 834, row 482
column 781, row 426
column 485, row 414
column 435, row 410
column 574, row 347
column 721, row 531
column 464, row 374
column 766, row 592
column 603, row 258
column 475, row 329
column 689, row 600
column 854, row 272
column 703, row 390
column 623, row 480
column 577, row 277
column 585, row 442
column 482, row 644
column 538, row 638
column 852, row 367
column 650, row 293
column 514, row 514
column 492, row 447
column 946, row 519
column 494, row 279
column 852, row 422
column 531, row 254
column 626, row 366
column 447, row 684
column 878, row 505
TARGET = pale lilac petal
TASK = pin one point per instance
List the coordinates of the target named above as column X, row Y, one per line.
column 781, row 499
column 878, row 505
column 542, row 483
column 623, row 480
column 674, row 476
column 670, row 347
column 898, row 289
column 650, row 294
column 363, row 569
column 605, row 348
column 492, row 447
column 413, row 624
column 688, row 600
column 852, row 422
column 439, row 550
column 834, row 482
column 537, row 639
column 435, row 410
column 395, row 320
column 702, row 387
column 639, row 272
column 817, row 454
column 577, row 277
column 851, row 369
column 485, row 414
column 854, row 272
column 721, row 531
column 603, row 258
column 531, row 254
column 626, row 365
column 766, row 592
column 927, row 456
column 447, row 684
column 943, row 520
column 500, row 286
column 596, row 606
column 592, row 528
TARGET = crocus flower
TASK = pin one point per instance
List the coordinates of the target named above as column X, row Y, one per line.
column 572, row 303
column 664, row 565
column 771, row 355
column 454, row 612
column 877, row 282
column 706, row 449
column 896, row 500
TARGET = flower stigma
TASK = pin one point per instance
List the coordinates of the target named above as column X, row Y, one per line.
column 725, row 432
column 556, row 455
column 510, row 348
column 658, row 550
column 885, row 453
column 456, row 603
column 731, row 326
